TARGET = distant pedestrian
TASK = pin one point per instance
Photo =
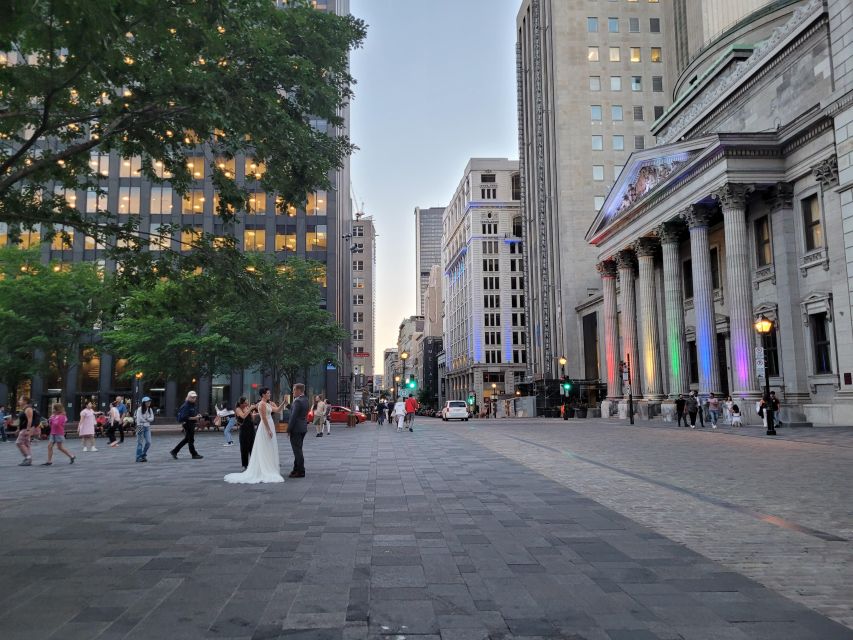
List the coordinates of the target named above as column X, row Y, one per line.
column 113, row 423
column 144, row 417
column 188, row 417
column 774, row 404
column 86, row 428
column 380, row 413
column 297, row 427
column 735, row 416
column 714, row 410
column 727, row 409
column 692, row 405
column 327, row 419
column 226, row 415
column 411, row 407
column 57, row 434
column 27, row 422
column 3, row 436
column 400, row 413
column 319, row 415
column 680, row 415
column 243, row 411
column 122, row 407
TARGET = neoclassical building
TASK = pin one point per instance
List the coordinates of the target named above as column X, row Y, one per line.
column 738, row 212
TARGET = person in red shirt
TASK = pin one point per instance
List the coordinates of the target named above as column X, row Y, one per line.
column 411, row 406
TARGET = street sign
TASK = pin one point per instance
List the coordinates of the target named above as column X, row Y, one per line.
column 761, row 374
column 759, row 364
column 759, row 353
column 627, row 389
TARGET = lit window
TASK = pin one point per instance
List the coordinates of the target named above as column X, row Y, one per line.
column 315, row 238
column 128, row 200
column 618, row 143
column 598, row 172
column 257, row 203
column 812, row 225
column 99, row 163
column 63, row 239
column 227, row 167
column 96, row 201
column 358, row 282
column 285, row 241
column 592, row 54
column 192, row 202
column 595, row 112
column 195, row 165
column 130, row 167
column 614, row 54
column 254, row 240
column 657, row 56
column 283, row 208
column 254, row 169
column 616, row 112
column 316, row 205
column 597, row 143
column 189, row 238
column 635, row 54
column 160, row 170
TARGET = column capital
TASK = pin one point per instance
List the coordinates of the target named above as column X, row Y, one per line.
column 625, row 259
column 646, row 247
column 696, row 216
column 732, row 195
column 781, row 196
column 826, row 172
column 607, row 268
column 670, row 232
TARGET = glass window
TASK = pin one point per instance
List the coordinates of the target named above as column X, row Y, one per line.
column 592, row 54
column 128, row 199
column 715, row 267
column 616, row 112
column 638, row 113
column 358, row 282
column 635, row 54
column 595, row 112
column 160, row 170
column 616, row 83
column 658, row 111
column 595, row 83
column 131, row 167
column 315, row 238
column 192, row 202
column 618, row 143
column 639, row 142
column 598, row 202
column 617, row 169
column 282, row 208
column 217, row 206
column 613, row 25
column 322, row 275
column 257, row 203
column 657, row 56
column 254, row 169
column 597, row 143
column 63, row 239
column 812, row 226
column 614, row 54
column 189, row 238
column 254, row 240
column 95, row 201
column 99, row 163
column 654, row 25
column 598, row 172
column 820, row 343
column 195, row 165
column 771, row 351
column 634, row 25
column 657, row 83
column 763, row 248
column 636, row 83
column 92, row 243
column 316, row 205
column 227, row 166
column 285, row 241
column 592, row 25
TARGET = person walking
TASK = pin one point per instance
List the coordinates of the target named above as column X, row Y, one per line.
column 680, row 415
column 223, row 413
column 243, row 412
column 714, row 410
column 188, row 417
column 319, row 415
column 692, row 405
column 380, row 413
column 86, row 427
column 27, row 421
column 297, row 427
column 113, row 423
column 400, row 413
column 57, row 422
column 411, row 407
column 143, row 417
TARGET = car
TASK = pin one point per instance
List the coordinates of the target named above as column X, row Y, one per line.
column 454, row 410
column 340, row 415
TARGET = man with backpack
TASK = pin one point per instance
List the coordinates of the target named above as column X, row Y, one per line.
column 188, row 417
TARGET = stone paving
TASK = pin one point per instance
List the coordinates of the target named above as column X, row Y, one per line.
column 424, row 535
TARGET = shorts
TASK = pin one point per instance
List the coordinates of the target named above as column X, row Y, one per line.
column 24, row 437
column 55, row 438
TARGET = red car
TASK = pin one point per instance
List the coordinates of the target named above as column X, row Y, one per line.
column 340, row 415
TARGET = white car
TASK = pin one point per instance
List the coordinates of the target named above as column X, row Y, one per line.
column 454, row 410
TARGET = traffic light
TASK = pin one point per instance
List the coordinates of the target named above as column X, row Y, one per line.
column 566, row 385
column 472, row 398
column 412, row 383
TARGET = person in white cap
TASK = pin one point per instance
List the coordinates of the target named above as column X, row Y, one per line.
column 188, row 417
column 144, row 417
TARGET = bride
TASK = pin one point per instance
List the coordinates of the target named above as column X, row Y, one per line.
column 264, row 464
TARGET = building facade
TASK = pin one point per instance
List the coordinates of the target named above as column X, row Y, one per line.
column 427, row 247
column 410, row 352
column 363, row 326
column 391, row 363
column 592, row 77
column 485, row 325
column 741, row 211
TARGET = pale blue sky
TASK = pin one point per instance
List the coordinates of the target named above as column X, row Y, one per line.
column 436, row 86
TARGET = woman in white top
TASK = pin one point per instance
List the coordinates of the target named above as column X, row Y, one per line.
column 400, row 413
column 144, row 416
column 114, row 419
column 264, row 465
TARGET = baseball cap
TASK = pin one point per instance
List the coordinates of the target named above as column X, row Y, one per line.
column 192, row 394
column 146, row 399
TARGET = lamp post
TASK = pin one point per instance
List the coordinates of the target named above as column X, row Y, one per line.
column 404, row 356
column 564, row 410
column 763, row 326
column 396, row 386
column 494, row 400
column 138, row 391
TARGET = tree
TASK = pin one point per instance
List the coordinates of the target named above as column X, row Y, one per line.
column 48, row 313
column 155, row 79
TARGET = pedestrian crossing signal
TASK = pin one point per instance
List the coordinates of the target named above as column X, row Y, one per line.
column 412, row 383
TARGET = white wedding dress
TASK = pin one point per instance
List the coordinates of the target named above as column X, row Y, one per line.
column 264, row 465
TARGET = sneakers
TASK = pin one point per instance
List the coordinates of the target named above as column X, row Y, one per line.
column 85, row 449
column 692, row 426
column 412, row 430
column 73, row 458
column 26, row 463
column 197, row 456
column 46, row 464
column 174, row 454
column 93, row 449
column 228, row 444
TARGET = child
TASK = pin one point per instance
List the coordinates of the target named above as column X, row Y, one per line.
column 86, row 427
column 57, row 434
column 735, row 414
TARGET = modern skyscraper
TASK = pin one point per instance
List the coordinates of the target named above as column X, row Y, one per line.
column 592, row 77
column 427, row 247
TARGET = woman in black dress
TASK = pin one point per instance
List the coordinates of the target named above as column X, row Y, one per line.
column 246, row 421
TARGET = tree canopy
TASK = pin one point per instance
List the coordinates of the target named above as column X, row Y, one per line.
column 156, row 79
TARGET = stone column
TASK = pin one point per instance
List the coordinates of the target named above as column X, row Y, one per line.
column 697, row 218
column 625, row 261
column 732, row 199
column 607, row 269
column 673, row 291
column 646, row 249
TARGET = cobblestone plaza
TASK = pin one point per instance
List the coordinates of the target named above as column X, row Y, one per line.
column 506, row 529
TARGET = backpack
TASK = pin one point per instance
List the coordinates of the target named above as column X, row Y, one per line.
column 181, row 415
column 36, row 419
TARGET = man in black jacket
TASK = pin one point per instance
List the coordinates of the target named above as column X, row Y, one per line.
column 297, row 427
column 188, row 417
column 680, row 404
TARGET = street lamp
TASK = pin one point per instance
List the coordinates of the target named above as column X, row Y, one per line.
column 138, row 376
column 763, row 326
column 563, row 408
column 494, row 400
column 404, row 356
column 396, row 386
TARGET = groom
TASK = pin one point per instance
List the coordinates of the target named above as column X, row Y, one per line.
column 297, row 428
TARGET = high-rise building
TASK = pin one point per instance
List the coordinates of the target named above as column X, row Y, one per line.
column 363, row 326
column 390, row 364
column 485, row 321
column 592, row 78
column 427, row 247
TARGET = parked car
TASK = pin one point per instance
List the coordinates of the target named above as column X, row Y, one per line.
column 454, row 410
column 340, row 415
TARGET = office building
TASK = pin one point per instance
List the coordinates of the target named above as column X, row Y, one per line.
column 427, row 247
column 363, row 326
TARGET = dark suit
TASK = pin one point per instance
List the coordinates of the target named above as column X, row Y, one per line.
column 297, row 427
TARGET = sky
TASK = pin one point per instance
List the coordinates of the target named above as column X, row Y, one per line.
column 435, row 87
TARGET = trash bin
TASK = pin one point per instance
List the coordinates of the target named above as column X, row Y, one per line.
column 352, row 420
